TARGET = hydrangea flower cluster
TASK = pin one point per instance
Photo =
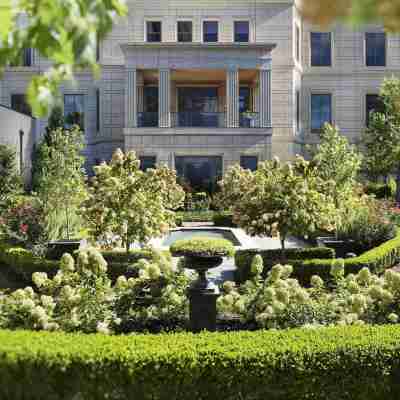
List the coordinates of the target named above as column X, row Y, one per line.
column 281, row 302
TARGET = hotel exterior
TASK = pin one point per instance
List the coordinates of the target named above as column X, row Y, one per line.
column 204, row 84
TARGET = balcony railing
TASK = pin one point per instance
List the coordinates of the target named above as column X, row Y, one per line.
column 189, row 119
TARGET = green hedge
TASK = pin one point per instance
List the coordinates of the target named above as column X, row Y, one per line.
column 21, row 264
column 195, row 216
column 224, row 219
column 243, row 258
column 377, row 260
column 381, row 190
column 341, row 363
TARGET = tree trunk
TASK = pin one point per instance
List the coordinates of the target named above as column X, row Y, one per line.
column 283, row 249
column 398, row 186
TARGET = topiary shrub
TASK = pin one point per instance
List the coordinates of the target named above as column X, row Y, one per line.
column 203, row 247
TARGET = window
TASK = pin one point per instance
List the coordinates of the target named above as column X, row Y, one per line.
column 147, row 162
column 153, row 31
column 321, row 49
column 249, row 162
column 25, row 59
column 19, row 103
column 185, row 31
column 373, row 103
column 244, row 99
column 98, row 110
column 210, row 31
column 321, row 111
column 297, row 43
column 375, row 49
column 97, row 48
column 74, row 110
column 242, row 31
column 297, row 110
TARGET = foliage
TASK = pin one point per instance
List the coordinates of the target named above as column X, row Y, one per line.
column 80, row 297
column 278, row 198
column 355, row 12
column 244, row 258
column 65, row 32
column 129, row 205
column 10, row 179
column 199, row 201
column 61, row 183
column 280, row 302
column 224, row 219
column 381, row 190
column 22, row 223
column 203, row 246
column 367, row 227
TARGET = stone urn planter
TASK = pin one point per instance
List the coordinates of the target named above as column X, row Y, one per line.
column 57, row 249
column 202, row 254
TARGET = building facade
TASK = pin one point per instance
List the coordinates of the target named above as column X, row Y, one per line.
column 202, row 85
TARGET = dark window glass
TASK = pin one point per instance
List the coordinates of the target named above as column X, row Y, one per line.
column 153, row 31
column 19, row 103
column 98, row 110
column 242, row 31
column 74, row 110
column 249, row 162
column 151, row 99
column 321, row 49
column 244, row 99
column 97, row 49
column 373, row 103
column 321, row 111
column 375, row 49
column 185, row 31
column 210, row 31
column 297, row 110
column 147, row 162
column 25, row 59
column 297, row 43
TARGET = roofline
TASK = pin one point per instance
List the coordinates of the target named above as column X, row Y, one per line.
column 18, row 112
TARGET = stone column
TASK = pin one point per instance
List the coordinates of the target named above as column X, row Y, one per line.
column 164, row 91
column 140, row 92
column 265, row 96
column 232, row 98
column 131, row 98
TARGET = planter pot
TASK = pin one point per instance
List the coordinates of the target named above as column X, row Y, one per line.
column 342, row 247
column 58, row 248
column 201, row 264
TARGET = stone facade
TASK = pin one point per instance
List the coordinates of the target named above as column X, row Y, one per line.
column 272, row 65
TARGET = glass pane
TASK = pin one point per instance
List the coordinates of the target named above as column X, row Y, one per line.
column 249, row 162
column 242, row 31
column 210, row 31
column 19, row 103
column 200, row 173
column 74, row 110
column 375, row 49
column 147, row 162
column 185, row 29
column 153, row 31
column 244, row 99
column 321, row 49
column 320, row 111
column 373, row 104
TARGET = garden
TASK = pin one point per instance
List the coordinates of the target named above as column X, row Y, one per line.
column 77, row 259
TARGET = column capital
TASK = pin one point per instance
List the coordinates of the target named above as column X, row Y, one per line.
column 130, row 68
column 232, row 68
column 266, row 64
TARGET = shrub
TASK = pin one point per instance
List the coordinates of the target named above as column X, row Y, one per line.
column 341, row 363
column 203, row 246
column 224, row 219
column 381, row 190
column 10, row 179
column 244, row 258
column 195, row 216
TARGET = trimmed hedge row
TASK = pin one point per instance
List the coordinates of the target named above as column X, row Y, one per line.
column 341, row 363
column 377, row 260
column 20, row 263
column 243, row 258
column 224, row 219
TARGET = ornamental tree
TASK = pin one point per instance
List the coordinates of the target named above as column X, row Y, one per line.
column 66, row 32
column 61, row 182
column 282, row 199
column 129, row 205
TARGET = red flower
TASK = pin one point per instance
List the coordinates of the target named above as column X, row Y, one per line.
column 23, row 228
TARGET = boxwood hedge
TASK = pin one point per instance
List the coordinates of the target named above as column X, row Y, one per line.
column 306, row 264
column 341, row 363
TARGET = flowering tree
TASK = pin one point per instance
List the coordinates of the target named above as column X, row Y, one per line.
column 280, row 198
column 128, row 204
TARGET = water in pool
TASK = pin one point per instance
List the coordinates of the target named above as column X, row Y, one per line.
column 192, row 233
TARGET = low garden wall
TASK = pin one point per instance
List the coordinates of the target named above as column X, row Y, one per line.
column 357, row 363
column 318, row 261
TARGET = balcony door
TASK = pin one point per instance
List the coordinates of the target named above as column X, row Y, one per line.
column 201, row 173
column 198, row 107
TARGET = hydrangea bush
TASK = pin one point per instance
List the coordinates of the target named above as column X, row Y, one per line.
column 281, row 302
column 80, row 297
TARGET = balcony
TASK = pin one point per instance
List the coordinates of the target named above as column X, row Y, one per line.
column 198, row 120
